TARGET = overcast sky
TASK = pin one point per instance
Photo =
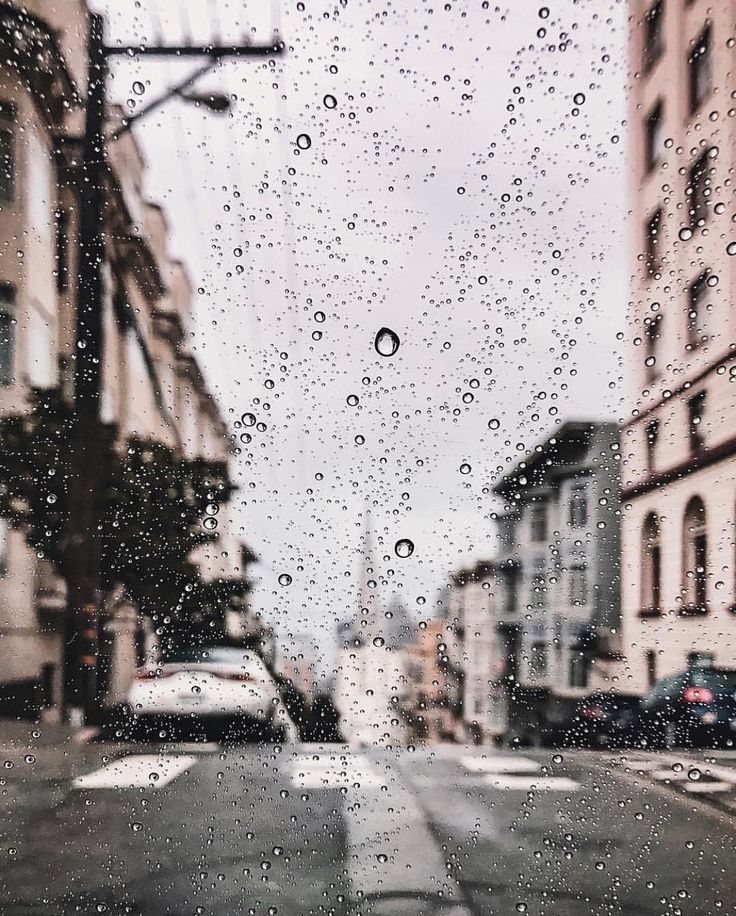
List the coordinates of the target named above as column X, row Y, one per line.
column 462, row 184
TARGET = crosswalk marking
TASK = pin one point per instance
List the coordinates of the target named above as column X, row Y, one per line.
column 528, row 783
column 506, row 771
column 705, row 788
column 147, row 771
column 334, row 771
column 500, row 764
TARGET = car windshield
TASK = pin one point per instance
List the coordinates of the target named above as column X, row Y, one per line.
column 720, row 680
column 207, row 656
column 367, row 457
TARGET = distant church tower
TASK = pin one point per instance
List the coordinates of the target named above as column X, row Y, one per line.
column 369, row 672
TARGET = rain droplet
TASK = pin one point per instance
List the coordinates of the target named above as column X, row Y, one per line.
column 694, row 774
column 465, row 468
column 138, row 87
column 494, row 424
column 353, row 400
column 248, row 419
column 284, row 579
column 379, row 642
column 578, row 98
column 136, row 827
column 404, row 548
column 303, row 141
column 330, row 101
column 731, row 248
column 386, row 342
column 685, row 233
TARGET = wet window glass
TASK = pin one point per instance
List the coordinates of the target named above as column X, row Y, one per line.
column 367, row 457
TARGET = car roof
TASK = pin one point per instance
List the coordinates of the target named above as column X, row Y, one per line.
column 223, row 655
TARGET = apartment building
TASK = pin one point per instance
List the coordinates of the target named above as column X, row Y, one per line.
column 559, row 552
column 479, row 603
column 678, row 446
column 431, row 704
column 152, row 384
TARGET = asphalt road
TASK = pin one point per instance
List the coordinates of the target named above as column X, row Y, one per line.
column 303, row 829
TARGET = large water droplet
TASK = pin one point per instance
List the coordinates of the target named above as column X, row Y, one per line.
column 284, row 579
column 404, row 548
column 330, row 101
column 303, row 141
column 386, row 342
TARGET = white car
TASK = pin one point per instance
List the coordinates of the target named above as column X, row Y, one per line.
column 210, row 687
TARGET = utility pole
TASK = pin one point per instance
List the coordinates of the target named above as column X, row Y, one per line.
column 87, row 459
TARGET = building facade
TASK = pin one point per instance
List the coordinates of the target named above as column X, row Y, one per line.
column 559, row 543
column 431, row 703
column 679, row 448
column 152, row 384
column 479, row 598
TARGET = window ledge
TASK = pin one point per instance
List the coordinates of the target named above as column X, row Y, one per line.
column 692, row 610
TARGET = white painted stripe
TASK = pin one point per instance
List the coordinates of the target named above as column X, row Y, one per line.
column 148, row 771
column 704, row 788
column 670, row 775
column 529, row 783
column 500, row 764
column 334, row 771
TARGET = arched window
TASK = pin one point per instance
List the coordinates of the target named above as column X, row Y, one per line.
column 695, row 557
column 651, row 571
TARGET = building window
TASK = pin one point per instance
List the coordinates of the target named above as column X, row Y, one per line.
column 538, row 658
column 578, row 586
column 652, row 335
column 652, row 435
column 651, row 570
column 578, row 668
column 538, row 583
column 578, row 509
column 653, row 242
column 654, row 136
column 653, row 34
column 7, row 335
column 700, row 70
column 62, row 250
column 7, row 152
column 698, row 191
column 695, row 557
column 539, row 520
column 650, row 657
column 4, row 529
column 696, row 412
column 700, row 310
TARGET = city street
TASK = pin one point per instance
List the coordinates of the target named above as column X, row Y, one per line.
column 200, row 829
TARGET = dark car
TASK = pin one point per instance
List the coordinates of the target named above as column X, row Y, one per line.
column 692, row 709
column 603, row 719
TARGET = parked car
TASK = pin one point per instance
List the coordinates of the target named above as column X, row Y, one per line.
column 695, row 708
column 603, row 719
column 212, row 690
